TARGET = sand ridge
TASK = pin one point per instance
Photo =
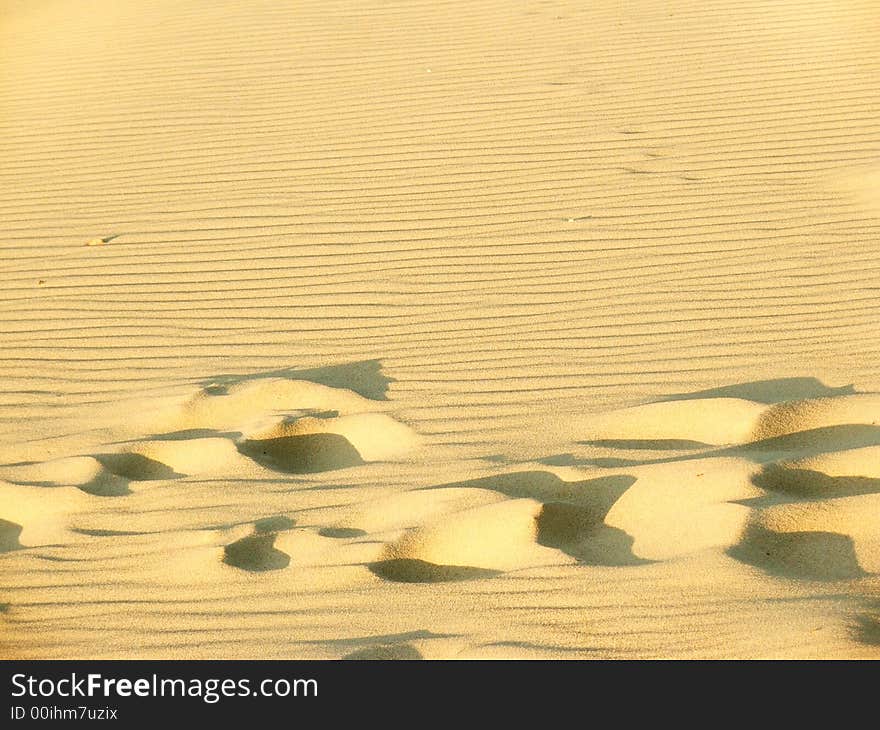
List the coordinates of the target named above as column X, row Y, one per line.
column 800, row 511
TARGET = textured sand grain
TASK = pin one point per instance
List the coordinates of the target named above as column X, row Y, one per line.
column 492, row 329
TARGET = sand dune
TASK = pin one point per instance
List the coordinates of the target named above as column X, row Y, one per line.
column 399, row 331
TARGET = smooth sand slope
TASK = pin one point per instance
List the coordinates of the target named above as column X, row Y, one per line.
column 472, row 329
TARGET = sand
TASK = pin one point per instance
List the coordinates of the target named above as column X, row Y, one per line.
column 441, row 330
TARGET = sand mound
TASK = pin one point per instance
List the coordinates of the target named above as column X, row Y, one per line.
column 228, row 408
column 596, row 495
column 506, row 535
column 835, row 474
column 103, row 475
column 414, row 508
column 302, row 454
column 683, row 507
column 497, row 537
column 295, row 444
column 833, row 539
column 309, row 444
column 376, row 436
column 815, row 555
column 190, row 456
column 34, row 517
column 704, row 421
column 788, row 418
column 576, row 532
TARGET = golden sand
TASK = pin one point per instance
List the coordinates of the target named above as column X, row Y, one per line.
column 466, row 329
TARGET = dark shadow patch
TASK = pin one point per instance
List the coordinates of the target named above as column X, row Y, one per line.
column 341, row 533
column 561, row 524
column 136, row 467
column 594, row 495
column 364, row 377
column 825, row 556
column 385, row 652
column 105, row 533
column 325, row 415
column 386, row 639
column 811, row 442
column 122, row 468
column 193, row 433
column 303, row 454
column 770, row 499
column 814, row 484
column 106, row 485
column 866, row 628
column 555, row 648
column 9, row 534
column 649, row 444
column 256, row 553
column 575, row 531
column 560, row 460
column 611, row 462
column 276, row 523
column 778, row 390
column 301, row 486
column 408, row 570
